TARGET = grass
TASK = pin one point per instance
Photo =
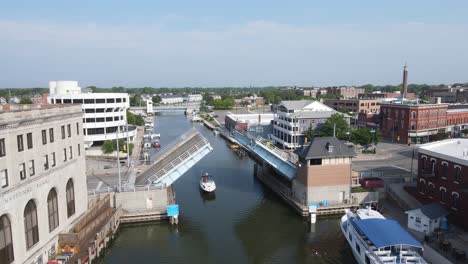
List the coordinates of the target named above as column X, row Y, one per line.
column 360, row 189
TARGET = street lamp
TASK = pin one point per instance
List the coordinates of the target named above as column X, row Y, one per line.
column 393, row 127
column 349, row 135
column 117, row 146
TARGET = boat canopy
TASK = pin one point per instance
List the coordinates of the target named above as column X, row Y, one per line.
column 385, row 233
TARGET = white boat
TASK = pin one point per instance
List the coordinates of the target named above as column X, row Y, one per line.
column 375, row 239
column 207, row 183
column 215, row 131
column 152, row 136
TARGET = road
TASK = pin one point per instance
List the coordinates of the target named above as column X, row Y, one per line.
column 389, row 157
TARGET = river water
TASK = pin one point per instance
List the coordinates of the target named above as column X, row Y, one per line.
column 242, row 222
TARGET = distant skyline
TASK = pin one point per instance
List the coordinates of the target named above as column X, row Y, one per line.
column 237, row 43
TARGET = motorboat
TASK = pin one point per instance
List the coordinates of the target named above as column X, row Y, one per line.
column 375, row 239
column 207, row 183
column 152, row 136
column 156, row 144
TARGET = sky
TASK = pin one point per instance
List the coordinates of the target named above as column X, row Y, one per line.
column 215, row 43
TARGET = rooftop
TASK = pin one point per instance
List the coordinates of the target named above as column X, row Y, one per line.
column 325, row 147
column 455, row 149
column 433, row 210
column 15, row 114
column 252, row 118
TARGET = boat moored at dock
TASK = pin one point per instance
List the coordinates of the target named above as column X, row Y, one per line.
column 375, row 239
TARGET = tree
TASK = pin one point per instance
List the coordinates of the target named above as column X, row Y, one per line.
column 156, row 99
column 25, row 101
column 134, row 119
column 109, row 146
column 208, row 98
column 335, row 122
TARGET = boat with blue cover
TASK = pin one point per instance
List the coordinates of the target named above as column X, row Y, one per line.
column 375, row 239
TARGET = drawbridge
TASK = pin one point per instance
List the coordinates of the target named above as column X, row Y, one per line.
column 175, row 159
column 282, row 161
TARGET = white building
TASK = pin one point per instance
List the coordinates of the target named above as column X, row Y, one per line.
column 105, row 114
column 171, row 99
column 194, row 98
column 427, row 218
column 42, row 179
column 216, row 97
column 294, row 118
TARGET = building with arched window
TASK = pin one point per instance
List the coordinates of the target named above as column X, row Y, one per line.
column 443, row 177
column 42, row 179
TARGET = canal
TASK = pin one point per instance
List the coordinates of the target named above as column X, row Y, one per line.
column 242, row 222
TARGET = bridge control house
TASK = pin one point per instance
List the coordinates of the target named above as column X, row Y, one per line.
column 324, row 171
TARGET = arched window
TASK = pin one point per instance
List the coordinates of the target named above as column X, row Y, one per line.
column 6, row 242
column 422, row 187
column 457, row 174
column 53, row 209
column 70, row 198
column 433, row 162
column 31, row 229
column 455, row 200
column 431, row 190
column 444, row 170
column 443, row 193
column 423, row 165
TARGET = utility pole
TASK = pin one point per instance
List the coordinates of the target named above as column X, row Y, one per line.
column 334, row 129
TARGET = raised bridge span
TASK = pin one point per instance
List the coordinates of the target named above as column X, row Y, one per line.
column 175, row 159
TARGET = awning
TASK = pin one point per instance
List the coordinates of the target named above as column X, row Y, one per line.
column 385, row 233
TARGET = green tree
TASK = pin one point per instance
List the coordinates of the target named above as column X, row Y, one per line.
column 336, row 122
column 109, row 146
column 134, row 119
column 25, row 101
column 156, row 99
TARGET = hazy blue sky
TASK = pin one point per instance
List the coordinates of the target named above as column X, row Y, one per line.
column 232, row 43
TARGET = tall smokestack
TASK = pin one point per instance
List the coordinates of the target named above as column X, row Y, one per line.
column 405, row 81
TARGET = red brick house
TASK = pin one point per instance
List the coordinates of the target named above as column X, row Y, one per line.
column 443, row 177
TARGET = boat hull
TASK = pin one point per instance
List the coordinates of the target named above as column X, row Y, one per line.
column 210, row 187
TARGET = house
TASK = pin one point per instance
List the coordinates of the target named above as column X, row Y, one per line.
column 171, row 99
column 427, row 218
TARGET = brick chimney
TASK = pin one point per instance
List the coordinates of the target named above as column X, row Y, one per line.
column 405, row 82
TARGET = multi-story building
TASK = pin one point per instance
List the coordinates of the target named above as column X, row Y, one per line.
column 443, row 177
column 386, row 96
column 250, row 100
column 421, row 123
column 171, row 99
column 42, row 179
column 324, row 173
column 255, row 124
column 368, row 120
column 354, row 105
column 193, row 98
column 345, row 92
column 293, row 119
column 104, row 114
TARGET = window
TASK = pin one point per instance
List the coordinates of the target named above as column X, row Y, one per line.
column 77, row 128
column 358, row 249
column 22, row 170
column 53, row 210
column 444, row 170
column 4, row 178
column 431, row 190
column 70, row 198
column 457, row 177
column 64, row 154
column 418, row 219
column 46, row 162
column 6, row 241
column 69, row 130
column 53, row 159
column 2, row 147
column 433, row 162
column 350, row 237
column 51, row 135
column 31, row 229
column 63, row 132
column 100, row 101
column 443, row 193
column 455, row 200
column 29, row 140
column 71, row 152
column 422, row 187
column 19, row 139
column 110, row 100
column 79, row 150
column 423, row 165
column 32, row 171
column 44, row 137
column 413, row 115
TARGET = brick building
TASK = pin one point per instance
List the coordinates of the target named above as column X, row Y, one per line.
column 409, row 96
column 443, row 177
column 346, row 92
column 421, row 123
column 368, row 120
column 354, row 105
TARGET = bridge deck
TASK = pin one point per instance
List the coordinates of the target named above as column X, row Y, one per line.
column 177, row 154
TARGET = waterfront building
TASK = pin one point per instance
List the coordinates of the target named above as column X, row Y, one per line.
column 255, row 124
column 421, row 123
column 42, row 179
column 324, row 171
column 193, row 98
column 354, row 105
column 427, row 218
column 171, row 99
column 443, row 177
column 104, row 114
column 293, row 118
